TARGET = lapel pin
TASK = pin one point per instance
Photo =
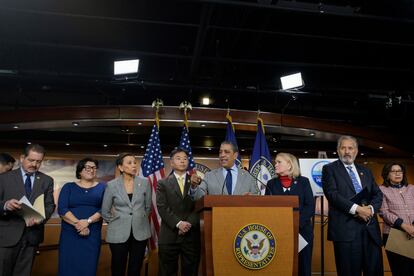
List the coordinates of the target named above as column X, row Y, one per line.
column 37, row 177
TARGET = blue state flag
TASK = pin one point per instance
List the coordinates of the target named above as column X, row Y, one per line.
column 231, row 137
column 260, row 165
column 185, row 144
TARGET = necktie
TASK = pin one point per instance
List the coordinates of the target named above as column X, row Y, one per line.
column 181, row 184
column 355, row 182
column 28, row 185
column 229, row 181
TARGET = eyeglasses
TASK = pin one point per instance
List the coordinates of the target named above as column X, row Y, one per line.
column 90, row 168
column 396, row 172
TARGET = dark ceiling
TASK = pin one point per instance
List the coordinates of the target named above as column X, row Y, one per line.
column 356, row 57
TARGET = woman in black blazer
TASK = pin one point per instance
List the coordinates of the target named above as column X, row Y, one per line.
column 288, row 181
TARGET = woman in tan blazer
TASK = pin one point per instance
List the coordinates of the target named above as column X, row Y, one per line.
column 126, row 207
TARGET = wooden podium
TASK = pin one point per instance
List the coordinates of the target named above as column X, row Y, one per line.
column 231, row 231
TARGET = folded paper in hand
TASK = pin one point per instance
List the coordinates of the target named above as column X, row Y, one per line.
column 362, row 198
column 35, row 211
column 399, row 243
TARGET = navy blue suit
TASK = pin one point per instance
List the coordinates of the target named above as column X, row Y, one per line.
column 300, row 187
column 357, row 245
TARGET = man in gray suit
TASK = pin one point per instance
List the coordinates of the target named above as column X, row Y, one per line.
column 19, row 238
column 227, row 180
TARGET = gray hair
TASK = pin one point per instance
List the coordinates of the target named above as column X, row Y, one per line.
column 346, row 137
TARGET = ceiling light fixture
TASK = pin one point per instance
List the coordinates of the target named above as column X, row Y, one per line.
column 293, row 81
column 124, row 67
column 205, row 101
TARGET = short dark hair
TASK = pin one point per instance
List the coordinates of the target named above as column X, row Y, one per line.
column 386, row 171
column 121, row 157
column 233, row 145
column 81, row 165
column 6, row 158
column 33, row 147
column 177, row 150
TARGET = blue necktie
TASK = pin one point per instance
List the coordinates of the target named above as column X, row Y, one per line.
column 229, row 181
column 28, row 185
column 355, row 182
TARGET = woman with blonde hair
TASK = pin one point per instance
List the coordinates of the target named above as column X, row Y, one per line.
column 288, row 181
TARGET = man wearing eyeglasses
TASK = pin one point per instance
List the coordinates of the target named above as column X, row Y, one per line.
column 353, row 227
column 19, row 238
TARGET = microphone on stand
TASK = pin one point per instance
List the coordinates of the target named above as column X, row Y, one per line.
column 222, row 187
column 261, row 182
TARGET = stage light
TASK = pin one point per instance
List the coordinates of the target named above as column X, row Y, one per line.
column 206, row 101
column 125, row 67
column 292, row 81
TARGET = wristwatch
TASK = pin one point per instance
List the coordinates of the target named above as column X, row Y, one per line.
column 89, row 220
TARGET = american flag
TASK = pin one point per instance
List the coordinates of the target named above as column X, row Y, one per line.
column 185, row 144
column 152, row 167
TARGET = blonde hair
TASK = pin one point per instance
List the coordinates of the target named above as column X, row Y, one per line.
column 293, row 161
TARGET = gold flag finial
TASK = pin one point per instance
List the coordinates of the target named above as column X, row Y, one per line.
column 156, row 104
column 186, row 106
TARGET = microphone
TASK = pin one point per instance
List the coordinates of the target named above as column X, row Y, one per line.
column 222, row 187
column 261, row 182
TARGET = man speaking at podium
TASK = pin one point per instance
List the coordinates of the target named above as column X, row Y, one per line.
column 226, row 180
column 19, row 239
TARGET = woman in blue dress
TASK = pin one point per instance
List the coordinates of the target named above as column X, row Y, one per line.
column 79, row 206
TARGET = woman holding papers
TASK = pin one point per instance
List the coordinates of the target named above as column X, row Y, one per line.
column 288, row 181
column 126, row 207
column 80, row 208
column 398, row 212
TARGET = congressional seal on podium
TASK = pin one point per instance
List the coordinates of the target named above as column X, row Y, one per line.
column 254, row 246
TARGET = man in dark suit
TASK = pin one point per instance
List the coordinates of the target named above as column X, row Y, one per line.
column 352, row 224
column 19, row 238
column 180, row 230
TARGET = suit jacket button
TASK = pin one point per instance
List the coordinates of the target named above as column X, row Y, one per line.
column 130, row 214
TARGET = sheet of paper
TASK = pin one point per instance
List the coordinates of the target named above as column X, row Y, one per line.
column 28, row 211
column 302, row 243
column 399, row 243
